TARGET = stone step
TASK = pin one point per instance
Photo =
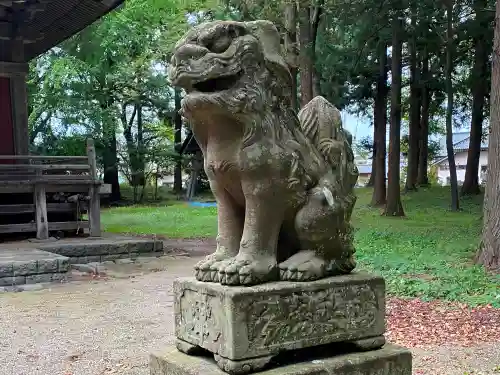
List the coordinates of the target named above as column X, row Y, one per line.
column 20, row 266
column 101, row 250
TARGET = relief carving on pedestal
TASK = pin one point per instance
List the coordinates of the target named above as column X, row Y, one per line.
column 320, row 315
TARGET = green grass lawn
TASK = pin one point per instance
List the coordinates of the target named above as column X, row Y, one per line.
column 428, row 254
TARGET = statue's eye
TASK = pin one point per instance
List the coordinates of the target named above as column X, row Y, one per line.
column 219, row 44
column 235, row 31
column 219, row 40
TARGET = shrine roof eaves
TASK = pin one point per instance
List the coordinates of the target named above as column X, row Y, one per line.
column 42, row 24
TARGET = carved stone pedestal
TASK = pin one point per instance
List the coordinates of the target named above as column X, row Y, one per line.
column 390, row 360
column 245, row 327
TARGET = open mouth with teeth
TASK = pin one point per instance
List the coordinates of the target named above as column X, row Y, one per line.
column 218, row 84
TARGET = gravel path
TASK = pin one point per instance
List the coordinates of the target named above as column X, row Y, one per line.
column 110, row 326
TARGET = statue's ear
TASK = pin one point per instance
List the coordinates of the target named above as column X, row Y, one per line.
column 269, row 38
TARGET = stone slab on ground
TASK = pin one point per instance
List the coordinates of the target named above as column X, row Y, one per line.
column 100, row 250
column 249, row 322
column 390, row 360
column 28, row 266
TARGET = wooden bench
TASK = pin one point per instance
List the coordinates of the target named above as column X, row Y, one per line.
column 42, row 175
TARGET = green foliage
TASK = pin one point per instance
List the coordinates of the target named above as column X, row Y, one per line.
column 109, row 82
column 364, row 147
column 427, row 255
column 177, row 220
column 70, row 145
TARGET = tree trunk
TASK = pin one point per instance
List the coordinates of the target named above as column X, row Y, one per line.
column 489, row 252
column 291, row 47
column 306, row 54
column 141, row 152
column 455, row 204
column 315, row 21
column 110, row 164
column 414, row 133
column 423, row 159
column 371, row 180
column 393, row 206
column 379, row 136
column 316, row 85
column 177, row 141
column 479, row 92
column 136, row 165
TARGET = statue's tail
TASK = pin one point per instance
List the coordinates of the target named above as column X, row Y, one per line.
column 321, row 122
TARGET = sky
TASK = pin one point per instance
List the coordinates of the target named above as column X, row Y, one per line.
column 358, row 126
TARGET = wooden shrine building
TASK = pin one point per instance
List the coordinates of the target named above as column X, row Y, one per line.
column 41, row 194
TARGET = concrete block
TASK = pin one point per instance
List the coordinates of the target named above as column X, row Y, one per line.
column 40, row 278
column 49, row 265
column 110, row 257
column 58, row 277
column 24, row 267
column 45, row 278
column 6, row 268
column 63, row 265
column 12, row 280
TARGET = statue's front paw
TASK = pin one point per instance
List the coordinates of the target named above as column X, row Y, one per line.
column 304, row 266
column 207, row 269
column 248, row 271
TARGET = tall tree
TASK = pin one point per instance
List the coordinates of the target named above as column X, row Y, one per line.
column 309, row 19
column 489, row 251
column 177, row 141
column 479, row 90
column 423, row 165
column 414, row 133
column 291, row 46
column 393, row 206
column 317, row 12
column 380, row 124
column 306, row 63
column 455, row 204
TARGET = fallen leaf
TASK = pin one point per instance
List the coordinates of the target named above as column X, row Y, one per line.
column 415, row 323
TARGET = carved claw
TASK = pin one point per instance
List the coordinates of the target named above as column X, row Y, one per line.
column 204, row 275
column 304, row 266
column 207, row 269
column 248, row 271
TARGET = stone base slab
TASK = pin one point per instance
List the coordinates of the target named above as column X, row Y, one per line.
column 239, row 323
column 101, row 250
column 390, row 360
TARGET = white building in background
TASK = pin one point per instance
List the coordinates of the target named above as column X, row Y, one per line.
column 365, row 168
column 461, row 149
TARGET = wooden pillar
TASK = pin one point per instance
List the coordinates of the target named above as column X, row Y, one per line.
column 13, row 109
column 42, row 224
column 95, row 203
column 197, row 166
column 19, row 99
column 6, row 124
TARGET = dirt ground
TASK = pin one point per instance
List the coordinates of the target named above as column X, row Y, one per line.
column 109, row 324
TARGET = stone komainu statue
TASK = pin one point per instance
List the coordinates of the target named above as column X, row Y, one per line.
column 284, row 188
